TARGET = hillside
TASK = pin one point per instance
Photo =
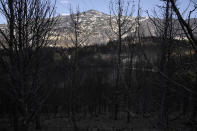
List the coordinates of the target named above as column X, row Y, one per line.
column 97, row 24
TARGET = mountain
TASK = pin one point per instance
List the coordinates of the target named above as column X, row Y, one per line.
column 97, row 24
column 2, row 26
column 95, row 28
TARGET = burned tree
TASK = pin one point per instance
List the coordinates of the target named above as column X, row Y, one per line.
column 166, row 29
column 76, row 37
column 28, row 31
column 121, row 25
column 170, row 64
column 190, row 32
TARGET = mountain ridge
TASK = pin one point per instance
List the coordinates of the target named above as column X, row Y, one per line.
column 95, row 25
column 98, row 24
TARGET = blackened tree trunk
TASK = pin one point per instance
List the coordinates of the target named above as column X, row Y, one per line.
column 120, row 11
column 189, row 32
column 29, row 24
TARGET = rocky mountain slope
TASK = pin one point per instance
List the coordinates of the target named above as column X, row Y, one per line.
column 96, row 26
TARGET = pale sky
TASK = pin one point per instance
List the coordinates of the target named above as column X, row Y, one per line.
column 62, row 6
column 103, row 5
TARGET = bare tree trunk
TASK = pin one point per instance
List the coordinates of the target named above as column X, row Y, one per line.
column 38, row 122
column 194, row 97
column 28, row 25
column 189, row 32
column 120, row 26
column 164, row 105
column 15, row 119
